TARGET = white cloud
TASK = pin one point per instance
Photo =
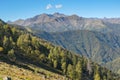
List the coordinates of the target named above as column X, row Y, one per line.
column 58, row 6
column 49, row 6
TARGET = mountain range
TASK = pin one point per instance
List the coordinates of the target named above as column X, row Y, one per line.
column 95, row 38
column 59, row 22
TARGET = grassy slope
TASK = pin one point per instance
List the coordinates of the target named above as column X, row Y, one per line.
column 19, row 73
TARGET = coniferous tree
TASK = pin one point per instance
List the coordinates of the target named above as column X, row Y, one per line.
column 97, row 75
column 64, row 66
column 11, row 55
column 70, row 71
column 55, row 63
column 79, row 70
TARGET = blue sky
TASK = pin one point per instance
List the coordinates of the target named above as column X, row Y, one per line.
column 22, row 9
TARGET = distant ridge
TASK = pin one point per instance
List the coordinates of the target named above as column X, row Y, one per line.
column 58, row 22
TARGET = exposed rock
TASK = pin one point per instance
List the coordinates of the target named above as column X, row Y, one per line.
column 7, row 78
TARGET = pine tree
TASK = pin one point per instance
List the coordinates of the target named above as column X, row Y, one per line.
column 11, row 55
column 64, row 65
column 70, row 71
column 97, row 75
column 79, row 70
column 55, row 63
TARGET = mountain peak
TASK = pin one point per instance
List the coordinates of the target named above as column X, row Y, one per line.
column 59, row 14
column 74, row 16
column 44, row 14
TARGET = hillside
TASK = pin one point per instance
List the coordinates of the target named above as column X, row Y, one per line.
column 18, row 48
column 100, row 47
column 20, row 73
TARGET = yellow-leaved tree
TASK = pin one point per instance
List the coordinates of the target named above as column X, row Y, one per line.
column 1, row 49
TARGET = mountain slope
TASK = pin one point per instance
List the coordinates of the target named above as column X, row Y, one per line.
column 22, row 49
column 115, row 63
column 100, row 47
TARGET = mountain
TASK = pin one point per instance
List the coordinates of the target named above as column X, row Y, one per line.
column 99, row 47
column 104, row 31
column 59, row 22
column 31, row 58
column 95, row 38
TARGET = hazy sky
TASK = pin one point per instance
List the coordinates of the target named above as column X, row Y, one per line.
column 16, row 9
